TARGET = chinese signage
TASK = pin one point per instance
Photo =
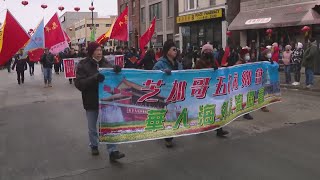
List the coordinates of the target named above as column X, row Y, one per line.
column 200, row 16
column 70, row 66
column 137, row 105
column 258, row 21
column 115, row 60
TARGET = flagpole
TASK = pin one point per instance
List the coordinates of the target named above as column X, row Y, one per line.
column 128, row 25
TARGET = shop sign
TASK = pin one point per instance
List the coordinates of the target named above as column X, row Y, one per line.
column 258, row 21
column 217, row 13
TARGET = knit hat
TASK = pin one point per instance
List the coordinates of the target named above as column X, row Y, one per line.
column 92, row 47
column 167, row 46
column 207, row 47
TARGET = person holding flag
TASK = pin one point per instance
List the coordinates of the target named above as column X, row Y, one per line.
column 47, row 61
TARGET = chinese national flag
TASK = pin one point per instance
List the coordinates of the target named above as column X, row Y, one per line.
column 146, row 37
column 12, row 38
column 55, row 39
column 120, row 28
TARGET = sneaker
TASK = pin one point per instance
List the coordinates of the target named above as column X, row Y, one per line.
column 247, row 117
column 294, row 84
column 94, row 151
column 265, row 109
column 222, row 133
column 309, row 86
column 115, row 155
column 50, row 85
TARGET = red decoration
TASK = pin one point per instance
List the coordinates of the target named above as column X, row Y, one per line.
column 91, row 8
column 30, row 30
column 44, row 6
column 306, row 30
column 24, row 3
column 77, row 9
column 61, row 8
column 269, row 31
column 229, row 33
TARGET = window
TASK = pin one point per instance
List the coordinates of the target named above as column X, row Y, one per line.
column 212, row 2
column 108, row 25
column 170, row 8
column 155, row 11
column 133, row 6
column 169, row 37
column 142, row 16
column 97, row 25
column 191, row 4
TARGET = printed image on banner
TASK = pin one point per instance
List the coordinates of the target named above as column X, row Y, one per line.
column 115, row 60
column 137, row 105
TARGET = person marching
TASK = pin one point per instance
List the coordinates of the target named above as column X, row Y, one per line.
column 297, row 57
column 87, row 81
column 20, row 65
column 47, row 61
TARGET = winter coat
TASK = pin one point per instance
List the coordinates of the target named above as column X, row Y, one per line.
column 187, row 60
column 163, row 63
column 310, row 57
column 19, row 64
column 275, row 55
column 87, row 82
column 131, row 64
column 297, row 56
column 47, row 60
column 147, row 62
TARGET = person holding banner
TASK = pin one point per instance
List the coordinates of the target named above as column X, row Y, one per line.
column 206, row 61
column 87, row 81
column 20, row 65
column 167, row 63
column 71, row 54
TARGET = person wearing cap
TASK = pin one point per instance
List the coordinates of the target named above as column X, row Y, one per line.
column 206, row 61
column 47, row 61
column 310, row 57
column 297, row 57
column 87, row 81
column 167, row 63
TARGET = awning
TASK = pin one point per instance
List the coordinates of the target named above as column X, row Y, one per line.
column 82, row 41
column 282, row 16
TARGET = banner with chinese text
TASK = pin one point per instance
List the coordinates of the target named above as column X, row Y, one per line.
column 138, row 105
column 115, row 60
column 70, row 66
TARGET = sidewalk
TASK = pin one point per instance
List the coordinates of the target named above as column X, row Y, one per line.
column 302, row 86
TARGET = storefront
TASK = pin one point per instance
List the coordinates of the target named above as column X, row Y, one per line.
column 199, row 28
column 285, row 23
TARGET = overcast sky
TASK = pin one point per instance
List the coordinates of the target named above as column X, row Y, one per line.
column 30, row 15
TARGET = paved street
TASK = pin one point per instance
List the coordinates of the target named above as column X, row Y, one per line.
column 43, row 135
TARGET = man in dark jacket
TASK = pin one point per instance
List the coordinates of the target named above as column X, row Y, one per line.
column 47, row 60
column 87, row 81
column 20, row 65
column 310, row 57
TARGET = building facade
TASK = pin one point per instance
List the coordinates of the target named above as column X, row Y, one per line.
column 134, row 20
column 285, row 18
column 83, row 30
column 201, row 22
column 165, row 12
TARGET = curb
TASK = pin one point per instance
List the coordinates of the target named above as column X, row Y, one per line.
column 299, row 88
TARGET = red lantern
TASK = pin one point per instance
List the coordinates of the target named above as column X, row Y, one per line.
column 91, row 8
column 229, row 33
column 24, row 3
column 61, row 8
column 269, row 33
column 31, row 30
column 44, row 6
column 77, row 9
column 306, row 30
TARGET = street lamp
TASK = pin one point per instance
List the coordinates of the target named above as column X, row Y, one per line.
column 91, row 8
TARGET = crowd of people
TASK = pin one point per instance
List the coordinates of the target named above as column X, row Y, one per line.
column 166, row 59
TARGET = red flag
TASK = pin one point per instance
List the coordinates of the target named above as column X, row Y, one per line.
column 146, row 37
column 67, row 38
column 224, row 61
column 120, row 27
column 105, row 37
column 54, row 36
column 35, row 55
column 12, row 38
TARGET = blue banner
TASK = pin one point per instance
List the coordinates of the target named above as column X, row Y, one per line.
column 138, row 105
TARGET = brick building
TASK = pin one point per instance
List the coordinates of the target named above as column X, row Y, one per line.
column 134, row 20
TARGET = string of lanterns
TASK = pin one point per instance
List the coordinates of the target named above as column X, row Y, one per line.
column 60, row 8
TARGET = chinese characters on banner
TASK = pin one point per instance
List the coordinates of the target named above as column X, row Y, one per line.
column 137, row 105
column 69, row 68
column 115, row 60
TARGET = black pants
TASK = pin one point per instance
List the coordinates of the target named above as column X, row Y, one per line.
column 20, row 77
column 9, row 68
column 56, row 68
column 31, row 69
column 296, row 70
